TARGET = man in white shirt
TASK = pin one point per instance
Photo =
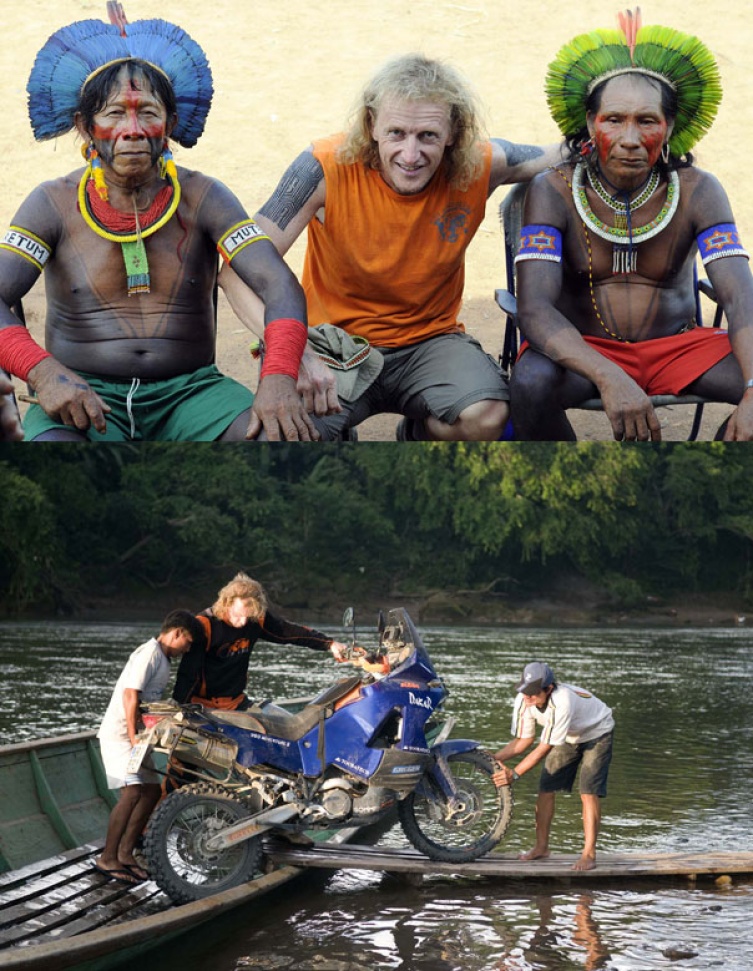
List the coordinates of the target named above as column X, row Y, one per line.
column 576, row 730
column 144, row 678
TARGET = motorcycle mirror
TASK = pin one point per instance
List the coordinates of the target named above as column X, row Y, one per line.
column 381, row 624
column 348, row 617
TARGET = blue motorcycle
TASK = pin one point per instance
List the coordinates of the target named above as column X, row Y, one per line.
column 366, row 743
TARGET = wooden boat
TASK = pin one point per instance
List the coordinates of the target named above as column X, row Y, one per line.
column 56, row 910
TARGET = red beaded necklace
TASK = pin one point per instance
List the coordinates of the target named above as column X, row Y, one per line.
column 115, row 221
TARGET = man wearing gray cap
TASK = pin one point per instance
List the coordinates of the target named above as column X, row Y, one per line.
column 576, row 730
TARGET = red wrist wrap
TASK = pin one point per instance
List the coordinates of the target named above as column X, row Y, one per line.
column 19, row 352
column 285, row 341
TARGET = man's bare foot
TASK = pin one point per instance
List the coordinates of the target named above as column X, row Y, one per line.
column 534, row 854
column 584, row 863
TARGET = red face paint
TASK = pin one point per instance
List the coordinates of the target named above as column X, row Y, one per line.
column 629, row 130
column 131, row 127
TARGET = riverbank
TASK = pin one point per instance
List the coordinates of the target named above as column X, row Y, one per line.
column 581, row 606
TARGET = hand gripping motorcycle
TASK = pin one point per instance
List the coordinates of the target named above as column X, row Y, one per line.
column 367, row 742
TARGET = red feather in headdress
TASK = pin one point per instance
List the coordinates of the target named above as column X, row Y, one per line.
column 117, row 16
column 630, row 24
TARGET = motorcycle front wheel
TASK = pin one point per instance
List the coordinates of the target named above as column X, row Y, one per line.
column 175, row 844
column 473, row 826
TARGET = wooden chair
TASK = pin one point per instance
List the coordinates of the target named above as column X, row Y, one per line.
column 511, row 217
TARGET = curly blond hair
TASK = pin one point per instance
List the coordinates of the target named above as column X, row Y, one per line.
column 413, row 77
column 251, row 592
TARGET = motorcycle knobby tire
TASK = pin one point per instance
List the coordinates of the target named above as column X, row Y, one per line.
column 174, row 844
column 469, row 836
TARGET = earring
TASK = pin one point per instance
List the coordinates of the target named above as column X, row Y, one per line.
column 167, row 164
column 586, row 148
column 91, row 155
column 665, row 153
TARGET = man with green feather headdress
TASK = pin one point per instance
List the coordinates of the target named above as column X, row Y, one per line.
column 605, row 268
column 131, row 246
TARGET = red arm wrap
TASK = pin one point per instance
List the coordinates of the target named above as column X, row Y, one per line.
column 285, row 341
column 19, row 352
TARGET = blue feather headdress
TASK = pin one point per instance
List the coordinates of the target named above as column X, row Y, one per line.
column 72, row 54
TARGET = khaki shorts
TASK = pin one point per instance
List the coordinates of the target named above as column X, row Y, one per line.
column 561, row 765
column 439, row 377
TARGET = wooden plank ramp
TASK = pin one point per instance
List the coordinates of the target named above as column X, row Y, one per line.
column 506, row 866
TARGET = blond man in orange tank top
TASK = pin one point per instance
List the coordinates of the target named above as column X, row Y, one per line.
column 390, row 208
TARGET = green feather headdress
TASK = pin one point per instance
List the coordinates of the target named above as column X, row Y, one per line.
column 679, row 60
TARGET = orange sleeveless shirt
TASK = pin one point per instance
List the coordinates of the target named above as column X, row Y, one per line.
column 385, row 266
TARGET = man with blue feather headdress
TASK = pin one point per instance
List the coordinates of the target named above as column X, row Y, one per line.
column 130, row 245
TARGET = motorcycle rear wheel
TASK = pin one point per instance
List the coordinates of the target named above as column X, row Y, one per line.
column 175, row 844
column 469, row 833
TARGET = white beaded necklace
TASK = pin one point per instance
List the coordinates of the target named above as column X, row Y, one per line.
column 624, row 237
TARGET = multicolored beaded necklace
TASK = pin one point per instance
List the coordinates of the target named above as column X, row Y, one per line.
column 623, row 236
column 130, row 230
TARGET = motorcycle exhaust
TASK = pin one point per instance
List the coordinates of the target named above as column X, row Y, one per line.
column 247, row 828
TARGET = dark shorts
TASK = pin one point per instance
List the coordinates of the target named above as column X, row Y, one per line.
column 439, row 377
column 195, row 407
column 561, row 766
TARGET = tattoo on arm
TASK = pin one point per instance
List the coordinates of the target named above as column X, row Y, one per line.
column 517, row 154
column 296, row 187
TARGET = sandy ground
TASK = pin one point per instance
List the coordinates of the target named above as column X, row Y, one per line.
column 286, row 72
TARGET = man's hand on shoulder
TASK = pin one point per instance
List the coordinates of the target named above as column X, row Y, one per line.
column 66, row 397
column 279, row 410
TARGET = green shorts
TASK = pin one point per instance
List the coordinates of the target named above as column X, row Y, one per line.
column 195, row 407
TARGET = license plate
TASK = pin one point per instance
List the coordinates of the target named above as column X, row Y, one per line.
column 138, row 754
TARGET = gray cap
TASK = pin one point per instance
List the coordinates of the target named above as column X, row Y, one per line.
column 536, row 677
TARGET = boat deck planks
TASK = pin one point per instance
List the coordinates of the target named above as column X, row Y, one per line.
column 64, row 897
column 557, row 867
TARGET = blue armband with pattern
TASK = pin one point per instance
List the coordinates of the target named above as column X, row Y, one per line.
column 540, row 242
column 719, row 241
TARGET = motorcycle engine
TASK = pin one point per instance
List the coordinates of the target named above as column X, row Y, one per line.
column 336, row 799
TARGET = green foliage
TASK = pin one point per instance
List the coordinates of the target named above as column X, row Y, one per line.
column 323, row 523
column 28, row 544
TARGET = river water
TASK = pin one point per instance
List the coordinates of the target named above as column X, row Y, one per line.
column 681, row 780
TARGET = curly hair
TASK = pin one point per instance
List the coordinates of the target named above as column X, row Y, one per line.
column 251, row 592
column 413, row 77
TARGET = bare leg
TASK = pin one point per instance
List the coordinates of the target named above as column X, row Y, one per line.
column 540, row 394
column 150, row 795
column 116, row 827
column 591, row 823
column 483, row 421
column 544, row 817
column 236, row 430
